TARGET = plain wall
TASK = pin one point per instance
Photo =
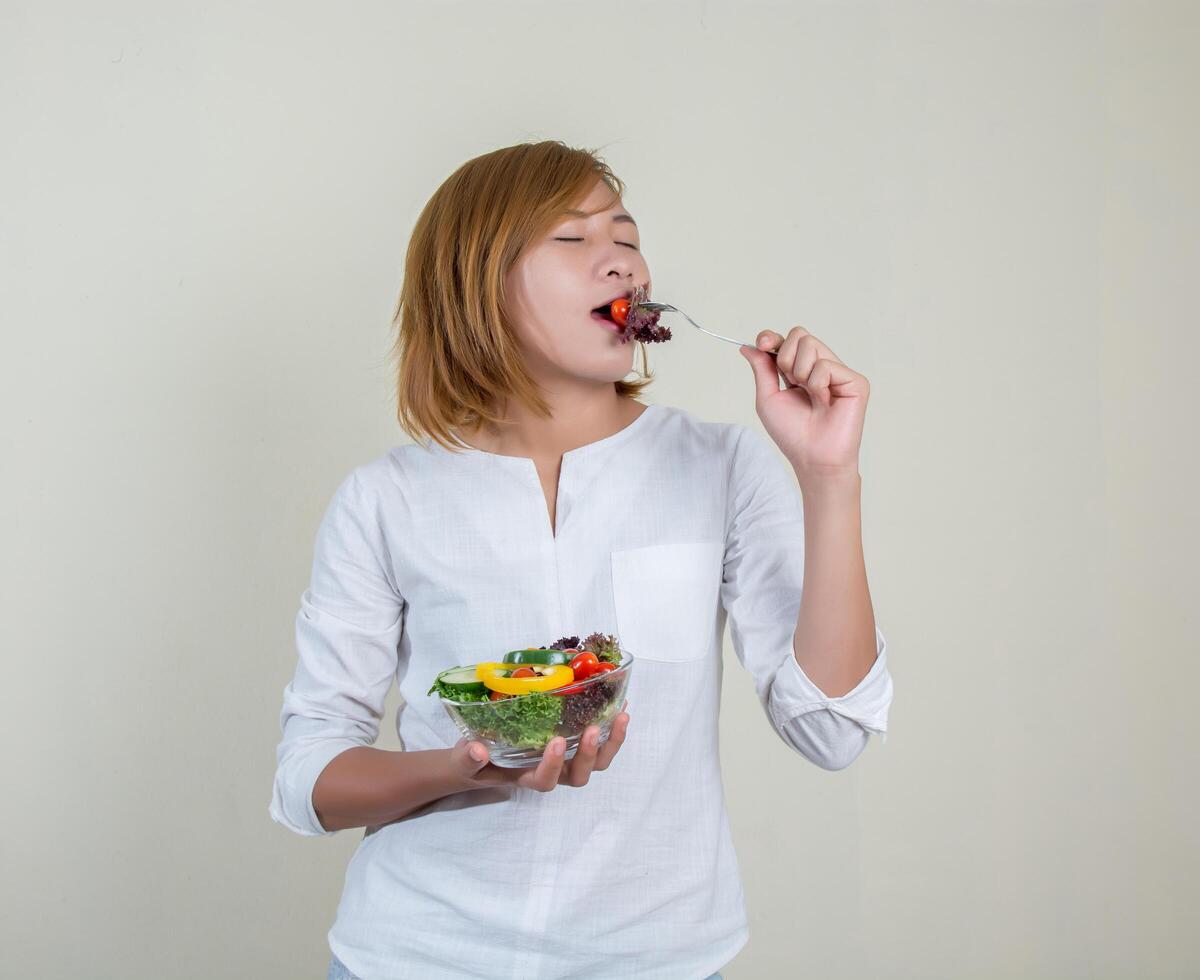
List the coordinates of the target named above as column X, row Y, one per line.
column 989, row 209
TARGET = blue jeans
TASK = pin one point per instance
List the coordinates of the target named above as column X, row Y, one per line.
column 338, row 971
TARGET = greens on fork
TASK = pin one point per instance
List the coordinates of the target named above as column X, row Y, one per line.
column 637, row 321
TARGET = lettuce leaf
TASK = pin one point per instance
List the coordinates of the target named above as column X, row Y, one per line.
column 525, row 722
column 445, row 691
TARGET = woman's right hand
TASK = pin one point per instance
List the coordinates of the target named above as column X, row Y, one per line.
column 470, row 760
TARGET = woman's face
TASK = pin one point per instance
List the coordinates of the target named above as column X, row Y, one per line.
column 579, row 264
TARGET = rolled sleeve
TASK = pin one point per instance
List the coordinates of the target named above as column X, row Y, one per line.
column 824, row 725
column 291, row 796
column 761, row 590
column 348, row 633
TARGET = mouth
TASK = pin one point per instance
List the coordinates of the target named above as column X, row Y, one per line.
column 603, row 313
column 603, row 316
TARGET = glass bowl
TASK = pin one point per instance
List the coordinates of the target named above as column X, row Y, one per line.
column 517, row 730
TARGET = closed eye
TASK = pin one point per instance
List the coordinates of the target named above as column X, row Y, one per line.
column 626, row 244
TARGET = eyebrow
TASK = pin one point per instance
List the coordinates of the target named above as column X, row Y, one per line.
column 616, row 217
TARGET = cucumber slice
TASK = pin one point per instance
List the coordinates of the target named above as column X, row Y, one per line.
column 462, row 680
column 539, row 656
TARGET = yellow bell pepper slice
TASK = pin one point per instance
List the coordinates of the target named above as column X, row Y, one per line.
column 495, row 677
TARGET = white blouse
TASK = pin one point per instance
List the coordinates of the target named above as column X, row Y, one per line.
column 426, row 559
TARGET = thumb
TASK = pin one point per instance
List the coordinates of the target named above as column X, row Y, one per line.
column 469, row 757
column 766, row 375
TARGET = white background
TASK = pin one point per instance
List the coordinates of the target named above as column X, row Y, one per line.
column 989, row 209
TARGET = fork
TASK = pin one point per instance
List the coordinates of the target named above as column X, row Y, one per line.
column 668, row 308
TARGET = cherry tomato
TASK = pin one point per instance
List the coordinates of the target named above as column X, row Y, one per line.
column 585, row 665
column 524, row 672
column 604, row 668
column 497, row 696
column 619, row 310
column 584, row 657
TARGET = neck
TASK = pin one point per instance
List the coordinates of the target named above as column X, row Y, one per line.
column 574, row 421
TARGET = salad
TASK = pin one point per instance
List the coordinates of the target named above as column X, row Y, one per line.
column 536, row 693
column 637, row 322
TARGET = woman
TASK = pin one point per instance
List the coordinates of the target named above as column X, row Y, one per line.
column 542, row 499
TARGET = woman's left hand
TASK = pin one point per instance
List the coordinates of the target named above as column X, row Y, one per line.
column 817, row 418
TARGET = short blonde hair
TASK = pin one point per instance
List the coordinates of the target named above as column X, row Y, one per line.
column 456, row 354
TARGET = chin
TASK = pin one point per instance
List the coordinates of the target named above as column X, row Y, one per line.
column 617, row 370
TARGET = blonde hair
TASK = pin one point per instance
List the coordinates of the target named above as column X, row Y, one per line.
column 455, row 351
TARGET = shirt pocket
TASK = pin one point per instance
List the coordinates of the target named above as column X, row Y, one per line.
column 666, row 598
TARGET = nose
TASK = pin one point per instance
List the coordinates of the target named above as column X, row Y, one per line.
column 629, row 271
column 622, row 261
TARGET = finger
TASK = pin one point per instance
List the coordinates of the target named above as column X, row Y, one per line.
column 545, row 777
column 832, row 379
column 766, row 376
column 767, row 370
column 823, row 349
column 579, row 770
column 817, row 383
column 769, row 340
column 809, row 351
column 791, row 356
column 616, row 738
column 785, row 354
column 469, row 757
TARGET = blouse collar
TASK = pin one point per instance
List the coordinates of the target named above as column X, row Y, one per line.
column 639, row 424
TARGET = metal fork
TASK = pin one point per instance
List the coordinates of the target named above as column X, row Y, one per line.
column 668, row 308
